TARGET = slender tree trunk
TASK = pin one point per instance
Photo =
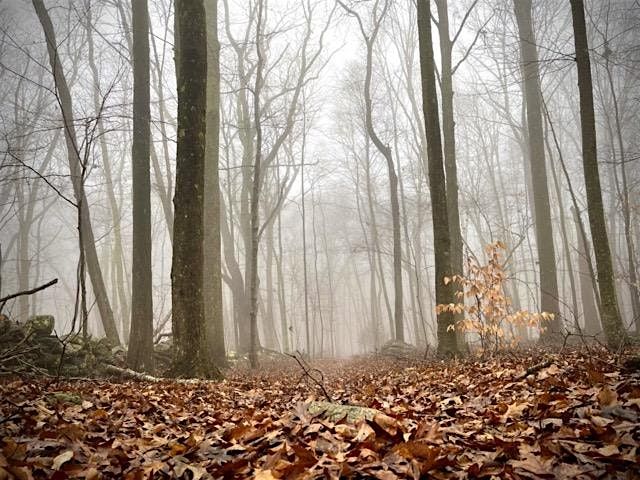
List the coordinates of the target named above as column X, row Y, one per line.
column 75, row 166
column 385, row 151
column 270, row 339
column 118, row 259
column 374, row 243
column 140, row 353
column 610, row 314
column 212, row 268
column 307, row 328
column 255, row 197
column 542, row 211
column 282, row 305
column 447, row 343
column 634, row 287
column 449, row 137
column 589, row 308
column 565, row 240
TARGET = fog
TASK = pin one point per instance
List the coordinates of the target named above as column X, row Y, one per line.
column 336, row 275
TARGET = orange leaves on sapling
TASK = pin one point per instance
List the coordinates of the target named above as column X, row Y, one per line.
column 486, row 309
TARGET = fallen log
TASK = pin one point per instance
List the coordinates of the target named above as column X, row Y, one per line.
column 133, row 375
column 128, row 373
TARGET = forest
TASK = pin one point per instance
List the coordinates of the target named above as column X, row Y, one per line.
column 306, row 239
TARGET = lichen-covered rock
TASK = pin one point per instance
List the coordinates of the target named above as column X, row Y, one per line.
column 335, row 412
column 398, row 349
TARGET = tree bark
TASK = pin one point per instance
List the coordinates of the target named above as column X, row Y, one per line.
column 449, row 137
column 192, row 356
column 589, row 307
column 549, row 301
column 447, row 343
column 610, row 314
column 255, row 197
column 212, row 268
column 140, row 353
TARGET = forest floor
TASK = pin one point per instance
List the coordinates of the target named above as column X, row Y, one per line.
column 576, row 416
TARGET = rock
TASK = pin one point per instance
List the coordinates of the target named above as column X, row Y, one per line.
column 335, row 412
column 63, row 397
column 398, row 349
column 40, row 325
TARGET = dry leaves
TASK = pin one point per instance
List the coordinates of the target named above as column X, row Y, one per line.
column 576, row 418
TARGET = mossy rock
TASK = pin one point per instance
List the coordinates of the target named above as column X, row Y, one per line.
column 54, row 398
column 335, row 412
column 40, row 325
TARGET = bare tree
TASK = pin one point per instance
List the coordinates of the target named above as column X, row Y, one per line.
column 192, row 355
column 378, row 14
column 537, row 163
column 441, row 237
column 212, row 249
column 77, row 178
column 140, row 353
column 610, row 314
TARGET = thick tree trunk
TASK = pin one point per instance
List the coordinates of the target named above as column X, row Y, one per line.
column 610, row 314
column 445, row 294
column 192, row 355
column 537, row 162
column 75, row 166
column 140, row 353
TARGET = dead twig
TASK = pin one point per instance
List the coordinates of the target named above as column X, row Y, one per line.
column 308, row 372
column 534, row 369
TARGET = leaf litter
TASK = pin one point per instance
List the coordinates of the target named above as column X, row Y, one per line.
column 578, row 417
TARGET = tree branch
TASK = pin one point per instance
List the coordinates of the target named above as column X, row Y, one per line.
column 4, row 300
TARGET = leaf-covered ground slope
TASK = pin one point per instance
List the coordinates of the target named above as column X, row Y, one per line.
column 578, row 417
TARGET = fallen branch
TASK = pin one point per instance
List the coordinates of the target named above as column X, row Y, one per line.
column 308, row 373
column 128, row 373
column 4, row 300
column 132, row 374
column 534, row 369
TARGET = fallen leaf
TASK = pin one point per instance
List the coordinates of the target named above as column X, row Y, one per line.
column 607, row 397
column 61, row 459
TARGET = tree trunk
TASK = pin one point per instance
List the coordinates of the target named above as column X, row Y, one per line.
column 118, row 260
column 449, row 137
column 140, row 353
column 255, row 198
column 549, row 301
column 589, row 307
column 212, row 268
column 447, row 344
column 610, row 314
column 75, row 166
column 398, row 320
column 192, row 355
column 634, row 288
column 565, row 239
